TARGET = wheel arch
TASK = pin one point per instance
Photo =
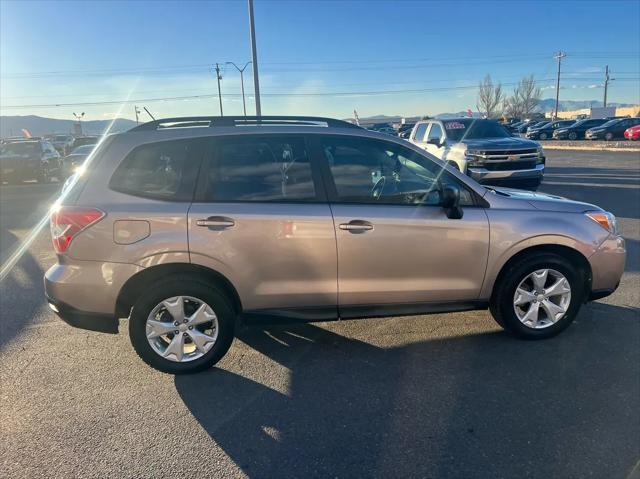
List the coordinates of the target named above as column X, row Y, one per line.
column 572, row 255
column 134, row 286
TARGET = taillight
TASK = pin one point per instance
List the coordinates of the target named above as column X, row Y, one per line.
column 68, row 221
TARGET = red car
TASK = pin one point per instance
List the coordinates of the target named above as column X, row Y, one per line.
column 632, row 133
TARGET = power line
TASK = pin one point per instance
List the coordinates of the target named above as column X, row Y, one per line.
column 299, row 94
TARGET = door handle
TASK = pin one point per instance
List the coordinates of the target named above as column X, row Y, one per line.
column 216, row 222
column 356, row 226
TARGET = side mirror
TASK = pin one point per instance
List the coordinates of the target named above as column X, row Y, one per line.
column 451, row 202
column 434, row 141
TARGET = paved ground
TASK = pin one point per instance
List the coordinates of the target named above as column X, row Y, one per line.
column 431, row 396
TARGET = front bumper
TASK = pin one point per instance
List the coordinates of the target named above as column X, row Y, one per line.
column 607, row 266
column 483, row 175
column 589, row 135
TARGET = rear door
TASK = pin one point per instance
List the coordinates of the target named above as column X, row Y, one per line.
column 396, row 246
column 436, row 133
column 261, row 219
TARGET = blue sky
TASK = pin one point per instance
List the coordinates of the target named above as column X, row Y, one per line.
column 315, row 57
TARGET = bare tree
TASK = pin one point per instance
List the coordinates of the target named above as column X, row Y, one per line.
column 525, row 98
column 529, row 94
column 490, row 98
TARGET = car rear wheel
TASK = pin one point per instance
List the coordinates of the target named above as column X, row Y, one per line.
column 182, row 325
column 538, row 297
column 573, row 135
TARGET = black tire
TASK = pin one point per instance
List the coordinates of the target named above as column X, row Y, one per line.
column 573, row 135
column 543, row 136
column 182, row 286
column 43, row 175
column 501, row 305
column 608, row 136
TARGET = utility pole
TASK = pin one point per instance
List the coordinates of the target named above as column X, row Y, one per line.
column 606, row 84
column 219, row 92
column 559, row 56
column 241, row 70
column 254, row 57
column 135, row 107
column 79, row 118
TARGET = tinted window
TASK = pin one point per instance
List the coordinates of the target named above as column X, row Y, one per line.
column 421, row 129
column 260, row 169
column 472, row 129
column 20, row 149
column 370, row 171
column 166, row 170
column 435, row 133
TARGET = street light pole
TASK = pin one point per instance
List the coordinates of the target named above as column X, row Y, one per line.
column 254, row 57
column 241, row 70
column 79, row 118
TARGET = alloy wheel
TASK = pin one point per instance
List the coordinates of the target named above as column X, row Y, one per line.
column 542, row 298
column 182, row 328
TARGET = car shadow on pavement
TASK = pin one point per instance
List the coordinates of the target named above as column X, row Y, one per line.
column 22, row 282
column 483, row 405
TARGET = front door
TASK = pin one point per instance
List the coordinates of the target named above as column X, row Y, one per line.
column 261, row 219
column 395, row 244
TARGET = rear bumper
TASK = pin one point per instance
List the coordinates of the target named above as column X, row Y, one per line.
column 84, row 294
column 103, row 323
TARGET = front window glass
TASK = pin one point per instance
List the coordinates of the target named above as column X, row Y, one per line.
column 435, row 133
column 370, row 171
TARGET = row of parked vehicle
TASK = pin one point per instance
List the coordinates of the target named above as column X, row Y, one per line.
column 585, row 129
column 43, row 159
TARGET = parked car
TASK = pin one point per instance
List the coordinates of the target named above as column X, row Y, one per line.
column 405, row 130
column 482, row 149
column 186, row 231
column 611, row 130
column 546, row 131
column 632, row 133
column 63, row 143
column 536, row 124
column 578, row 129
column 29, row 159
column 85, row 140
column 75, row 159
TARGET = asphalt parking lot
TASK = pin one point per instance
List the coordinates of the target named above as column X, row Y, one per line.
column 427, row 396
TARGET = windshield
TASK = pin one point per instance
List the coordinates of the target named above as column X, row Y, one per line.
column 20, row 149
column 470, row 129
column 83, row 150
column 60, row 138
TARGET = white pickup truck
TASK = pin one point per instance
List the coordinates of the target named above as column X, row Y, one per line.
column 483, row 149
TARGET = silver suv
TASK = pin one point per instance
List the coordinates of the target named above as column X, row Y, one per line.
column 187, row 226
column 483, row 149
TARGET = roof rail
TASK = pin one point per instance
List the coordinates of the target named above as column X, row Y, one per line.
column 220, row 121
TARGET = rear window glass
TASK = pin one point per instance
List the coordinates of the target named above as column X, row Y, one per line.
column 260, row 169
column 166, row 170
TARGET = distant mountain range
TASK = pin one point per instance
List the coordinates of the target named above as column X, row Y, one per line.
column 37, row 125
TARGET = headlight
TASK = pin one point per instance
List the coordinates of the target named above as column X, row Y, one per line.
column 605, row 219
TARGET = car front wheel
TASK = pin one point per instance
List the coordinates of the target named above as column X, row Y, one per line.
column 182, row 325
column 573, row 136
column 543, row 136
column 538, row 297
column 608, row 136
